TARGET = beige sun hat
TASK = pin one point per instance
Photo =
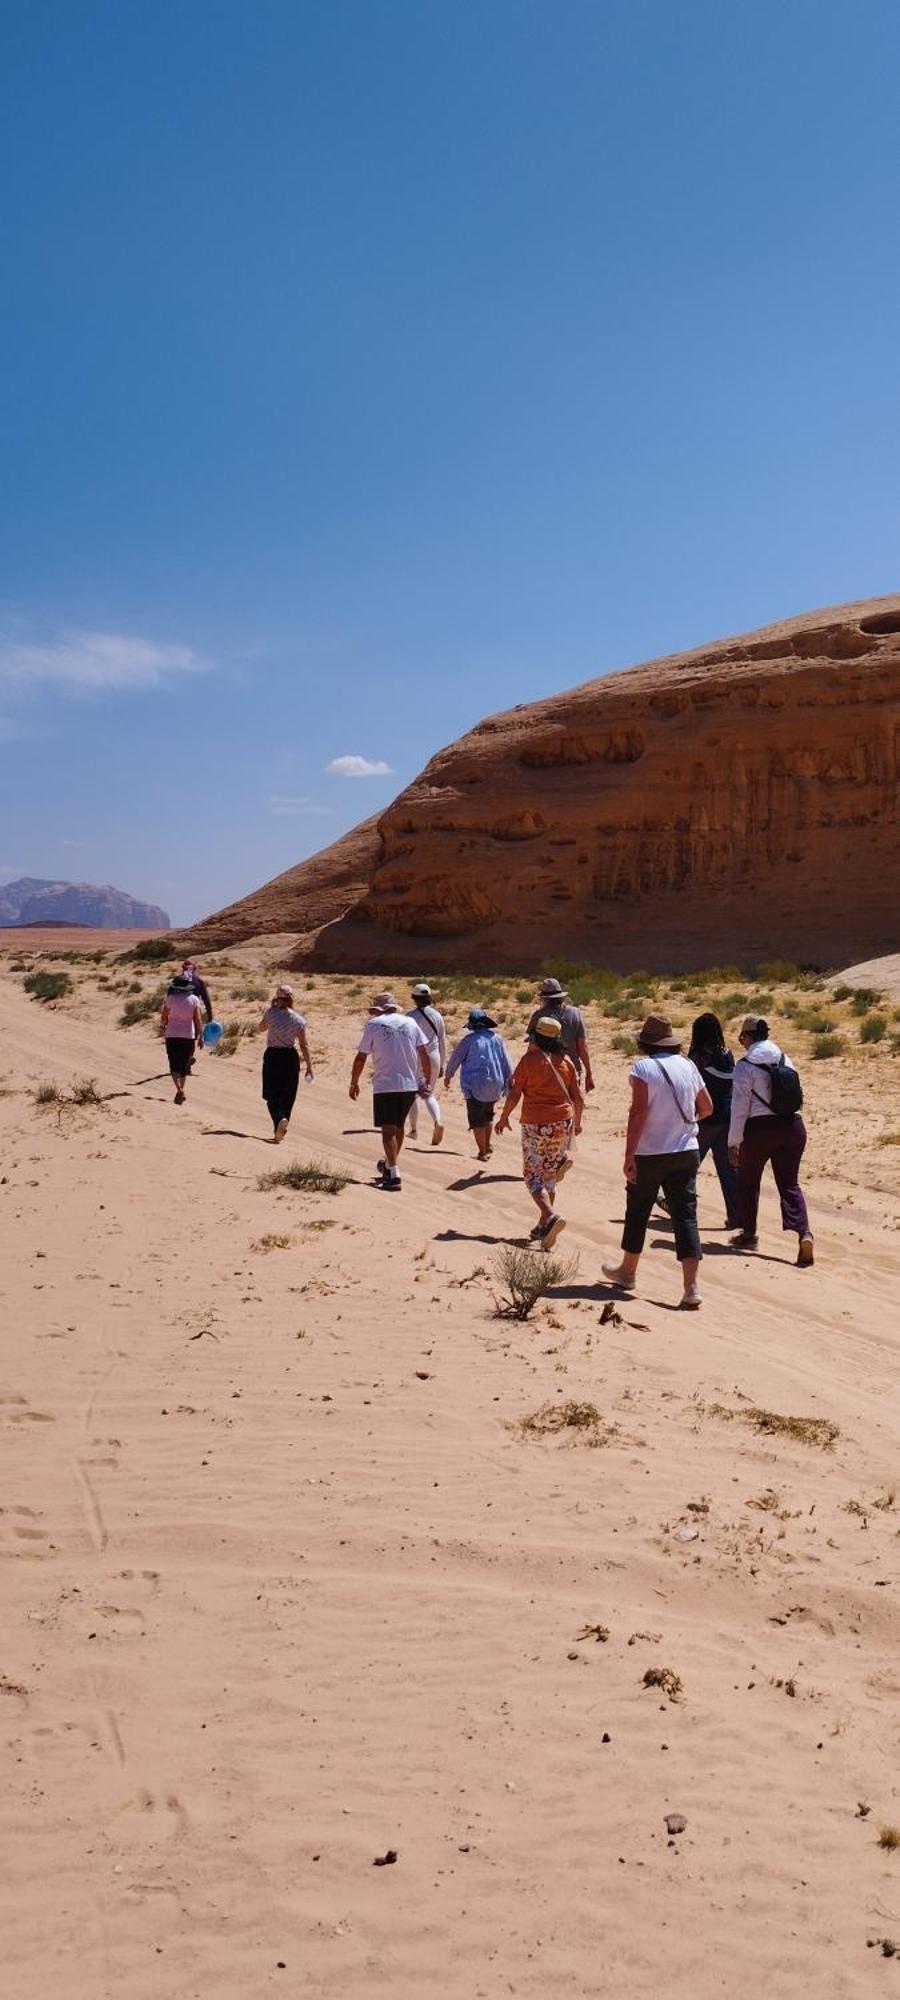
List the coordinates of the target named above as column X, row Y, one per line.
column 548, row 1027
column 384, row 1003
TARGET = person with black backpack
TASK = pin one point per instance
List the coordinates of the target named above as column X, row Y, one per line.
column 766, row 1127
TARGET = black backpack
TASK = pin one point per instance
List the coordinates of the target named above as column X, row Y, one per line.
column 786, row 1089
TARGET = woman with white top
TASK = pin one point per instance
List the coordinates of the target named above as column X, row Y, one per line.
column 281, row 1063
column 668, row 1098
column 426, row 1017
column 181, row 1025
column 760, row 1131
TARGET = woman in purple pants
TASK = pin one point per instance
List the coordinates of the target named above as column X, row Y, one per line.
column 757, row 1135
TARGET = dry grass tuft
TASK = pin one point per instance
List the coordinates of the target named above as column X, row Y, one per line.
column 554, row 1417
column 770, row 1423
column 528, row 1275
column 889, row 1838
column 305, row 1177
column 272, row 1242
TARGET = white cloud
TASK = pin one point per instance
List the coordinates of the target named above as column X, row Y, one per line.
column 95, row 662
column 359, row 767
column 287, row 808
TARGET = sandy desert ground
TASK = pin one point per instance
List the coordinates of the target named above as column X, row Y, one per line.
column 286, row 1586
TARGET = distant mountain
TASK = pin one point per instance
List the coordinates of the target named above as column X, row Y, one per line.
column 33, row 901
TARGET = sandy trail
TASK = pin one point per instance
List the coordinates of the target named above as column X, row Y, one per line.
column 284, row 1588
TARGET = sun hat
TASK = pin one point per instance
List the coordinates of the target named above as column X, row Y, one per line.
column 752, row 1023
column 180, row 983
column 550, row 989
column 384, row 1003
column 550, row 1029
column 480, row 1018
column 422, row 991
column 658, row 1033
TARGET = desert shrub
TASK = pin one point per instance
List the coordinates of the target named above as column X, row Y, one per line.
column 813, row 1022
column 790, row 1009
column 554, row 1417
column 306, row 1177
column 623, row 1044
column 730, row 1005
column 778, row 972
column 48, row 986
column 888, row 1139
column 48, row 1093
column 873, row 1028
column 862, row 998
column 84, row 1091
column 842, row 993
column 232, row 1033
column 252, row 991
column 826, row 1046
column 527, row 1276
column 141, row 1008
column 149, row 952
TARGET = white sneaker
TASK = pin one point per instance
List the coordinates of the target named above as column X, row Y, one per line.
column 692, row 1300
column 616, row 1276
column 280, row 1130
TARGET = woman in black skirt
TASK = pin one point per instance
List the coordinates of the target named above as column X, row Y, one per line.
column 281, row 1063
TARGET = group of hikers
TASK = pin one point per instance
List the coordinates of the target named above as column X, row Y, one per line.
column 746, row 1113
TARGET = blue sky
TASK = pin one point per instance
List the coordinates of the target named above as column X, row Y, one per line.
column 371, row 365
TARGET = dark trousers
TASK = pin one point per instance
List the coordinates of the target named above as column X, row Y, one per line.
column 780, row 1141
column 676, row 1174
column 713, row 1138
column 280, row 1077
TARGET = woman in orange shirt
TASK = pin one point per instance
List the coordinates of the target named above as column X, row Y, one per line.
column 552, row 1106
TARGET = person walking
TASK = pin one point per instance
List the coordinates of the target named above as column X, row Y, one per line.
column 765, row 1126
column 546, row 1082
column 198, row 986
column 668, row 1099
column 715, row 1062
column 400, row 1066
column 181, row 1025
column 485, row 1073
column 432, row 1026
column 554, row 1004
column 281, row 1062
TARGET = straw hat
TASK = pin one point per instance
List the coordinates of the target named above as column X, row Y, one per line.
column 550, row 1029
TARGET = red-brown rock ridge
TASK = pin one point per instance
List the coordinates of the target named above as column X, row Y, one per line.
column 737, row 802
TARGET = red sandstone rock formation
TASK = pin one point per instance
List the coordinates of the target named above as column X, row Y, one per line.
column 735, row 803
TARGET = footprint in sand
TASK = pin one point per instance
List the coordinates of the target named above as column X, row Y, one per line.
column 166, row 1811
column 16, row 1410
column 21, row 1536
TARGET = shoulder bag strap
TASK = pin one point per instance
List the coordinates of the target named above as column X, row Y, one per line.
column 664, row 1072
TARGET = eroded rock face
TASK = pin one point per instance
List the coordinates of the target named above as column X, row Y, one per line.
column 733, row 803
column 736, row 803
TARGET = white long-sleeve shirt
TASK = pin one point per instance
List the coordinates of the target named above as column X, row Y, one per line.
column 432, row 1026
column 751, row 1090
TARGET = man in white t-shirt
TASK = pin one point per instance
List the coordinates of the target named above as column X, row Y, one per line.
column 668, row 1097
column 400, row 1065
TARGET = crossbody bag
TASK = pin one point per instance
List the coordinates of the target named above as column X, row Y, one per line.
column 664, row 1072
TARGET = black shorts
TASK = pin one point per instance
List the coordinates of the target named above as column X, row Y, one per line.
column 180, row 1052
column 391, row 1107
column 479, row 1113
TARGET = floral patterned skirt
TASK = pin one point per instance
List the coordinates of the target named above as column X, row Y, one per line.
column 544, row 1148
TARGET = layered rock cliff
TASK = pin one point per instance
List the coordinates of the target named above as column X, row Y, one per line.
column 734, row 803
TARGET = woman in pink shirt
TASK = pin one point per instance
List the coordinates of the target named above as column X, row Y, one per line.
column 181, row 1024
